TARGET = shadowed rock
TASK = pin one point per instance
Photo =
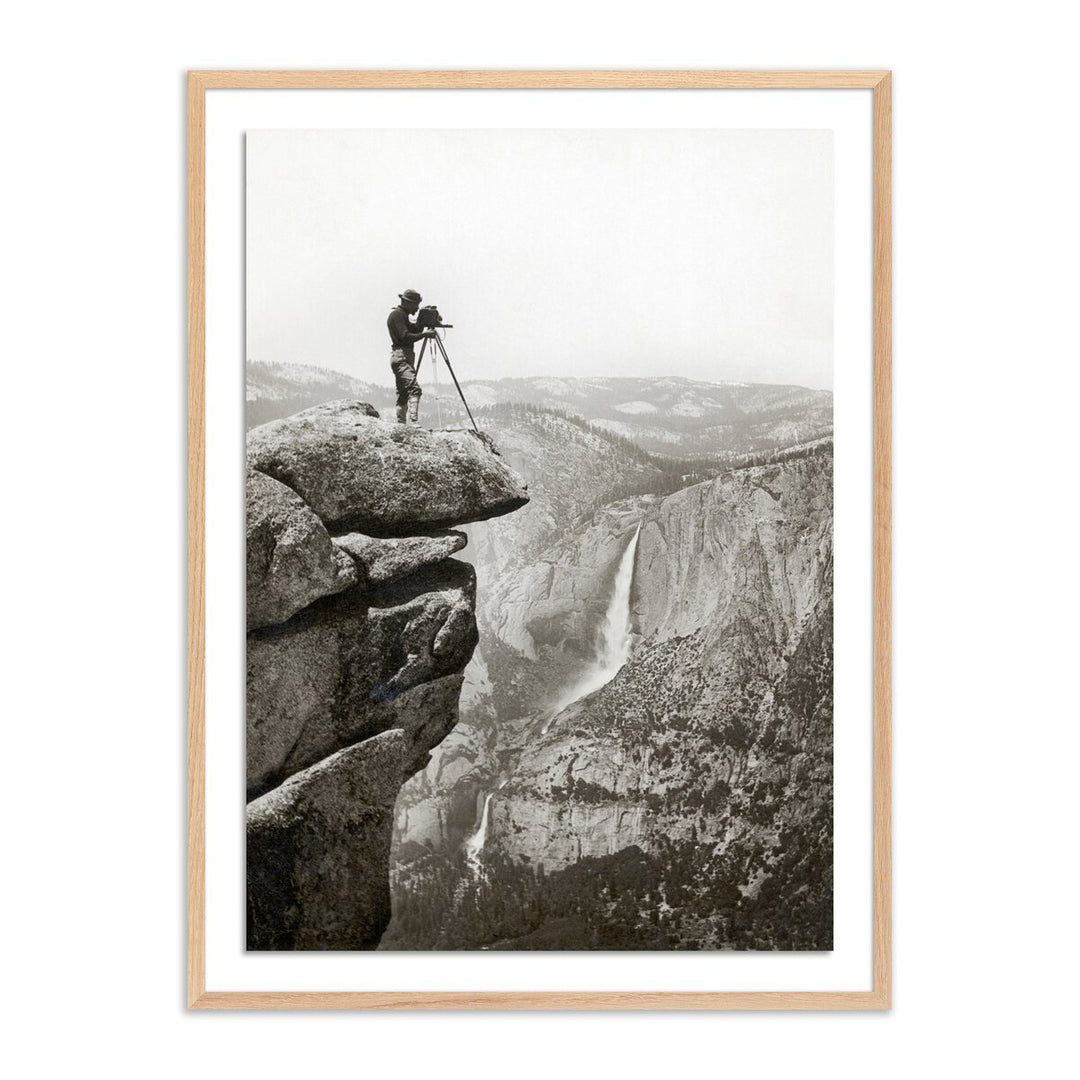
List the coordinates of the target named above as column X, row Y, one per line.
column 318, row 848
column 339, row 672
column 291, row 561
column 382, row 560
column 384, row 479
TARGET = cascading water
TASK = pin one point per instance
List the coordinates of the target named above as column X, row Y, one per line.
column 615, row 640
column 475, row 844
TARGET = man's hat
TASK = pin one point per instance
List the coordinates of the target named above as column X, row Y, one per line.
column 411, row 295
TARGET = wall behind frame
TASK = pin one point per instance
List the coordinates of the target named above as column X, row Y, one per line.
column 93, row 438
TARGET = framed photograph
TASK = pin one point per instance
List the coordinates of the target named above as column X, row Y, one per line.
column 539, row 472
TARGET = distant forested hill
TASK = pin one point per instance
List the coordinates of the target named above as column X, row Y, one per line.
column 275, row 391
column 668, row 415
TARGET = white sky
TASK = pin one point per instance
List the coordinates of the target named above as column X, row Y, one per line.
column 704, row 253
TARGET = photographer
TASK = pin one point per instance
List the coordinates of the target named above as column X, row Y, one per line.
column 403, row 335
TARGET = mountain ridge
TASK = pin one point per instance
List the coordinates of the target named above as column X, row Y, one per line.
column 666, row 415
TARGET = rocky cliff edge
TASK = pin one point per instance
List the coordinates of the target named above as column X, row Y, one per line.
column 360, row 626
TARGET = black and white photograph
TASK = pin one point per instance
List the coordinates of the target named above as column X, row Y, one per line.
column 539, row 539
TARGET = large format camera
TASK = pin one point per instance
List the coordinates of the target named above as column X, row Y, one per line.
column 428, row 318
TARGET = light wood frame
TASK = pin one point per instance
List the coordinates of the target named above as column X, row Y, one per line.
column 880, row 84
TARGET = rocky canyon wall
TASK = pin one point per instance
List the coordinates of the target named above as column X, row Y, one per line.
column 719, row 728
column 731, row 612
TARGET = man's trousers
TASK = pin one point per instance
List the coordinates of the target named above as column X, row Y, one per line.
column 408, row 389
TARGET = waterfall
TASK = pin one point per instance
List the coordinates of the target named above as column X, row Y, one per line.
column 615, row 639
column 475, row 844
column 612, row 651
column 616, row 633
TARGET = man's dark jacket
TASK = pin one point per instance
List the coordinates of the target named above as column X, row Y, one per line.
column 402, row 332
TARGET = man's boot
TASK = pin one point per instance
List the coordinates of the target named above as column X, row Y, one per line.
column 414, row 409
column 401, row 414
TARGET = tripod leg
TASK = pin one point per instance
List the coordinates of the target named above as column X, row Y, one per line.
column 446, row 359
column 423, row 346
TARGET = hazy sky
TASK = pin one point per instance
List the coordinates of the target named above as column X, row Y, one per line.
column 705, row 253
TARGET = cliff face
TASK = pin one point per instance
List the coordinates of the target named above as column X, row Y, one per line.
column 731, row 600
column 756, row 541
column 360, row 627
column 728, row 691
